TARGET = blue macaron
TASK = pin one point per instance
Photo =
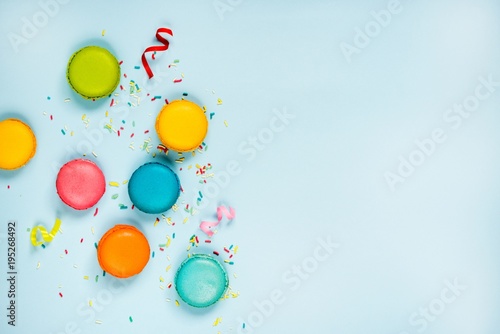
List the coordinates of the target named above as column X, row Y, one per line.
column 154, row 188
column 201, row 280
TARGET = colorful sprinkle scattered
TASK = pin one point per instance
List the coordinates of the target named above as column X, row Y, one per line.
column 217, row 321
column 162, row 148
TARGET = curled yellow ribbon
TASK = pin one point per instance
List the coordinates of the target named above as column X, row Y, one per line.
column 47, row 237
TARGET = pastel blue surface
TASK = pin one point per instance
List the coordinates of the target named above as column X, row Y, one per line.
column 201, row 280
column 312, row 129
column 153, row 188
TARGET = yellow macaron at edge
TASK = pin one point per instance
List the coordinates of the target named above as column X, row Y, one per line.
column 17, row 144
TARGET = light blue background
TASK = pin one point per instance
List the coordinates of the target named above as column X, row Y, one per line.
column 323, row 175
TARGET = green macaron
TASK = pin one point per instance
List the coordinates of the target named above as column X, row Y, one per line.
column 93, row 72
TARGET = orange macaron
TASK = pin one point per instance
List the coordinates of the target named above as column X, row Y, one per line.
column 123, row 251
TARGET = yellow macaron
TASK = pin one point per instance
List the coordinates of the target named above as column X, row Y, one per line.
column 17, row 143
column 182, row 126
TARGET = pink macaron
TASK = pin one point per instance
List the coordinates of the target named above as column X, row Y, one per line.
column 80, row 184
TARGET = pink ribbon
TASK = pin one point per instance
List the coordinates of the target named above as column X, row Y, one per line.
column 206, row 226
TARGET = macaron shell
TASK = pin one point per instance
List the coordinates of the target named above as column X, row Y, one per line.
column 181, row 125
column 93, row 72
column 17, row 144
column 154, row 188
column 123, row 251
column 80, row 184
column 201, row 280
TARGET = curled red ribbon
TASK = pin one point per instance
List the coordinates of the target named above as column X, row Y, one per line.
column 163, row 47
